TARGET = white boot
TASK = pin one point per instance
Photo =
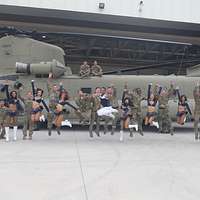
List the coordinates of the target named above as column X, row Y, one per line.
column 7, row 133
column 135, row 126
column 121, row 136
column 155, row 124
column 66, row 123
column 15, row 133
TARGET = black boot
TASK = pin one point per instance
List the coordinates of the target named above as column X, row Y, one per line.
column 141, row 132
column 172, row 131
column 49, row 132
column 91, row 134
column 131, row 132
column 105, row 129
column 113, row 130
column 196, row 136
column 58, row 131
column 97, row 132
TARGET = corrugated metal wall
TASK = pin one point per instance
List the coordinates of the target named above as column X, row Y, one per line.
column 173, row 10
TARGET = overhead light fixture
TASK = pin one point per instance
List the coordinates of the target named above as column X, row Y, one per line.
column 101, row 5
column 140, row 6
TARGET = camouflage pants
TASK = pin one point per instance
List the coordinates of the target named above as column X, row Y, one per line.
column 50, row 117
column 164, row 121
column 28, row 125
column 2, row 118
column 196, row 122
column 107, row 119
column 84, row 116
column 94, row 118
column 136, row 117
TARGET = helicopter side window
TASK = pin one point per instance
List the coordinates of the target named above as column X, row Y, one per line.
column 86, row 90
column 41, row 75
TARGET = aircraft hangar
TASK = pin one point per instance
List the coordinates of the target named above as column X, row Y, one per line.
column 133, row 36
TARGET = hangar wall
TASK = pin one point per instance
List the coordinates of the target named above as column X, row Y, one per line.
column 172, row 10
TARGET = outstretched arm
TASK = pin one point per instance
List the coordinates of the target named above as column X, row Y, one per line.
column 124, row 92
column 33, row 89
column 149, row 91
column 7, row 92
column 171, row 90
column 45, row 105
column 178, row 93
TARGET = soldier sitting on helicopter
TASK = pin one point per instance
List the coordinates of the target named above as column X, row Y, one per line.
column 96, row 69
column 84, row 70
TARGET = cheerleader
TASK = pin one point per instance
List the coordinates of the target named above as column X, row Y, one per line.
column 37, row 108
column 125, row 113
column 13, row 107
column 106, row 108
column 151, row 106
column 183, row 108
column 108, row 111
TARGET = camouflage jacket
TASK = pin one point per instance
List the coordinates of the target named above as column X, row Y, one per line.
column 95, row 103
column 196, row 94
column 53, row 96
column 164, row 99
column 136, row 101
column 96, row 70
column 113, row 99
column 84, row 103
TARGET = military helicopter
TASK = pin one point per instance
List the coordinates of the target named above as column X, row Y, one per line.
column 24, row 59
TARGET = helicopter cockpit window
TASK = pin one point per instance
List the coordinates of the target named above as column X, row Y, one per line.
column 86, row 90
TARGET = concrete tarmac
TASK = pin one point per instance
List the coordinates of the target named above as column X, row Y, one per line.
column 74, row 167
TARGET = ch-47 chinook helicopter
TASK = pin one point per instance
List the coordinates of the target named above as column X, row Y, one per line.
column 24, row 59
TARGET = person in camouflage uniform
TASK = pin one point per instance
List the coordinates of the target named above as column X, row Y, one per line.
column 96, row 103
column 112, row 95
column 53, row 94
column 83, row 101
column 164, row 120
column 3, row 110
column 84, row 70
column 96, row 69
column 136, row 113
column 196, row 94
column 28, row 124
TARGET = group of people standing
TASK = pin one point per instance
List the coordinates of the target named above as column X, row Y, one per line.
column 102, row 106
column 32, row 105
column 94, row 108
